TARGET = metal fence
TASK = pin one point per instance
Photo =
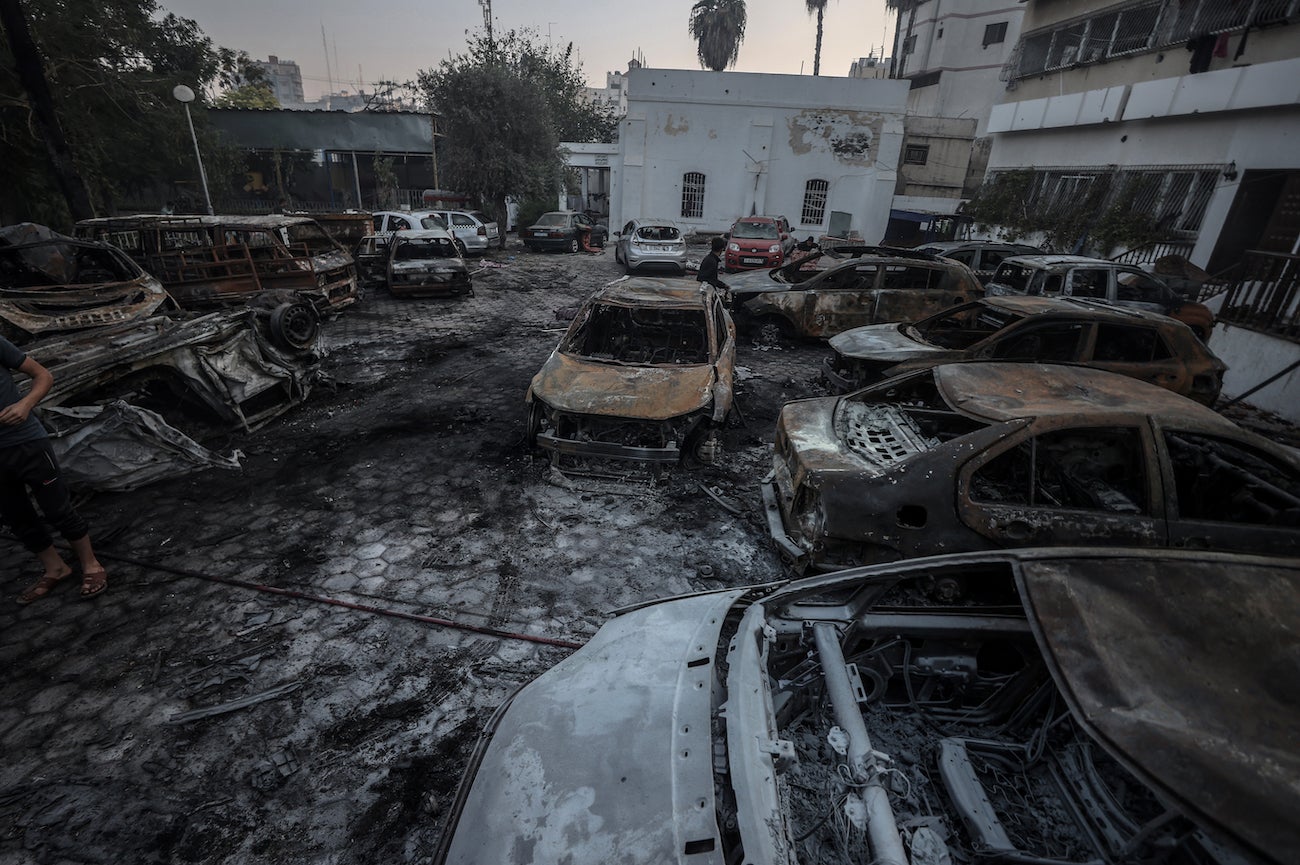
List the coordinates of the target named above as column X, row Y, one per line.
column 1265, row 296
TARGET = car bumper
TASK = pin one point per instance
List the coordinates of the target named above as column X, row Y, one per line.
column 791, row 553
column 839, row 381
column 607, row 450
column 752, row 260
column 657, row 259
column 549, row 242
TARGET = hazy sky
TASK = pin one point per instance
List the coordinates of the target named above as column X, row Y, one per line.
column 394, row 39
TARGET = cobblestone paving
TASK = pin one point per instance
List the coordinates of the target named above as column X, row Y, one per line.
column 403, row 486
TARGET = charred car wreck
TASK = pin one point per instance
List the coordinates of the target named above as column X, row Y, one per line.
column 213, row 261
column 426, row 264
column 1053, row 707
column 985, row 455
column 644, row 374
column 52, row 284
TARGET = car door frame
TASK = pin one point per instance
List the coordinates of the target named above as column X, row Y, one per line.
column 1010, row 525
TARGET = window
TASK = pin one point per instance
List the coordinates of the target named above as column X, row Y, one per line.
column 1228, row 482
column 909, row 44
column 1053, row 342
column 1136, row 287
column 995, row 33
column 692, row 195
column 916, row 154
column 926, row 79
column 814, row 202
column 905, row 277
column 1122, row 343
column 1091, row 469
column 939, row 35
column 1089, row 282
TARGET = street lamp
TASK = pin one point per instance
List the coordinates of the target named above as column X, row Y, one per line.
column 185, row 96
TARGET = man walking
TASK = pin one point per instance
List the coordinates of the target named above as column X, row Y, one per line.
column 27, row 462
column 709, row 265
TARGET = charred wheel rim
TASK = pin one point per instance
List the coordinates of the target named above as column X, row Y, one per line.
column 573, row 245
column 295, row 325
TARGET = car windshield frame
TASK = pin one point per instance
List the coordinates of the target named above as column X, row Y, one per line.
column 762, row 231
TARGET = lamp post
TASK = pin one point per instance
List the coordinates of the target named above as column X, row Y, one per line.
column 185, row 96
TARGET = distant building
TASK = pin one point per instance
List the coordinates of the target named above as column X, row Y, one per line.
column 614, row 94
column 284, row 78
column 869, row 67
column 704, row 148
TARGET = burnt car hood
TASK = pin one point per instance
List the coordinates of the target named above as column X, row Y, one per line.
column 746, row 285
column 1185, row 669
column 573, row 384
column 886, row 343
column 606, row 757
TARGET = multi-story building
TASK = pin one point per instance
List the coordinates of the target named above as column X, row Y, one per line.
column 284, row 78
column 1164, row 127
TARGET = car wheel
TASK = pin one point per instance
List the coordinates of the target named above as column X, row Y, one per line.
column 773, row 331
column 461, row 249
column 295, row 325
column 703, row 447
column 534, row 425
column 574, row 246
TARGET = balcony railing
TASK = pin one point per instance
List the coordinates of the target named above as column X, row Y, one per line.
column 1265, row 296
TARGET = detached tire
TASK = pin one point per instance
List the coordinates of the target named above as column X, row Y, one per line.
column 295, row 326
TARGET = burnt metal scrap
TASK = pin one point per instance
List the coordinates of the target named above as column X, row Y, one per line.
column 644, row 374
column 50, row 283
column 212, row 261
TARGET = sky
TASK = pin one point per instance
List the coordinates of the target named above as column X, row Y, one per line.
column 394, row 39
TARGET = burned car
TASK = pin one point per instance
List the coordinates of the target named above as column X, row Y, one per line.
column 974, row 456
column 981, row 256
column 213, row 261
column 878, row 285
column 50, row 283
column 644, row 374
column 1037, row 706
column 1144, row 345
column 1099, row 279
column 426, row 263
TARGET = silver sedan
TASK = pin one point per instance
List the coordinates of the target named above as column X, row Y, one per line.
column 644, row 243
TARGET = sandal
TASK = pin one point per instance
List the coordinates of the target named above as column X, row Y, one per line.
column 93, row 582
column 40, row 588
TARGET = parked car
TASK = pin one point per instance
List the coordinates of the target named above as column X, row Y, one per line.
column 758, row 241
column 562, row 230
column 388, row 221
column 1045, row 706
column 371, row 256
column 1099, row 279
column 224, row 260
column 879, row 285
column 426, row 264
column 644, row 374
column 981, row 256
column 647, row 243
column 973, row 456
column 51, row 283
column 1132, row 342
column 476, row 231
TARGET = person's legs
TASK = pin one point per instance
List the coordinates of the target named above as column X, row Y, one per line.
column 41, row 472
column 17, row 513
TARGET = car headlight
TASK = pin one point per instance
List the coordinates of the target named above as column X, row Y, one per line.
column 733, row 247
column 776, row 247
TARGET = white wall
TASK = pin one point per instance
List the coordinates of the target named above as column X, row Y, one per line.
column 1255, row 357
column 758, row 139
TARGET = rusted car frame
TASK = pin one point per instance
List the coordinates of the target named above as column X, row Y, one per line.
column 1144, row 345
column 426, row 263
column 877, row 285
column 211, row 261
column 54, row 284
column 643, row 374
column 986, row 455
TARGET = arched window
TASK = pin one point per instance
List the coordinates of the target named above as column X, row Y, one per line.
column 814, row 202
column 692, row 195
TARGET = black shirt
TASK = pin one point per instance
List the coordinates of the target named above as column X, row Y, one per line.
column 12, row 357
column 709, row 271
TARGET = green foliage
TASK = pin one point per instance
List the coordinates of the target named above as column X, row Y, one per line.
column 257, row 96
column 718, row 26
column 385, row 182
column 503, row 108
column 531, row 209
column 111, row 65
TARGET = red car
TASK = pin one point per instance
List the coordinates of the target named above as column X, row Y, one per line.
column 758, row 241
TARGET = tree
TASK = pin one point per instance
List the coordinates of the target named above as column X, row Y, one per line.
column 719, row 28
column 818, row 8
column 111, row 66
column 503, row 108
column 248, row 96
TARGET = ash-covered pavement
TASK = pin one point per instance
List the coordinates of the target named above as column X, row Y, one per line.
column 404, row 487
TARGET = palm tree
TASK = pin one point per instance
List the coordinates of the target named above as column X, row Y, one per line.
column 719, row 27
column 819, row 7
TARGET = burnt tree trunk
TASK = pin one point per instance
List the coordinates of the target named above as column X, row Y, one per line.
column 31, row 74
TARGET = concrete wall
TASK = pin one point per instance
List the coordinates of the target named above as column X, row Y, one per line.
column 758, row 139
column 944, row 171
column 1254, row 357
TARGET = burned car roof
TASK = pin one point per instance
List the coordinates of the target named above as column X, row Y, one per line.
column 1006, row 391
column 647, row 291
column 1064, row 705
column 50, row 283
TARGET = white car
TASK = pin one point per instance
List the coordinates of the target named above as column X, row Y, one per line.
column 473, row 229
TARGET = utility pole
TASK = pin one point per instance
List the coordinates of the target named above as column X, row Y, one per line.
column 329, row 76
column 487, row 19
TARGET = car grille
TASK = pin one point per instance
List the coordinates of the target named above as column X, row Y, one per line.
column 882, row 434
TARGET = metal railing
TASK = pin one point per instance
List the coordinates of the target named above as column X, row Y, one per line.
column 1265, row 296
column 1150, row 253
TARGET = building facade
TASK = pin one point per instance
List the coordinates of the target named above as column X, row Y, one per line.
column 705, row 148
column 284, row 78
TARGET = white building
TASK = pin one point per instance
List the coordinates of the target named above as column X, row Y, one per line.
column 284, row 78
column 707, row 147
column 1181, row 117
